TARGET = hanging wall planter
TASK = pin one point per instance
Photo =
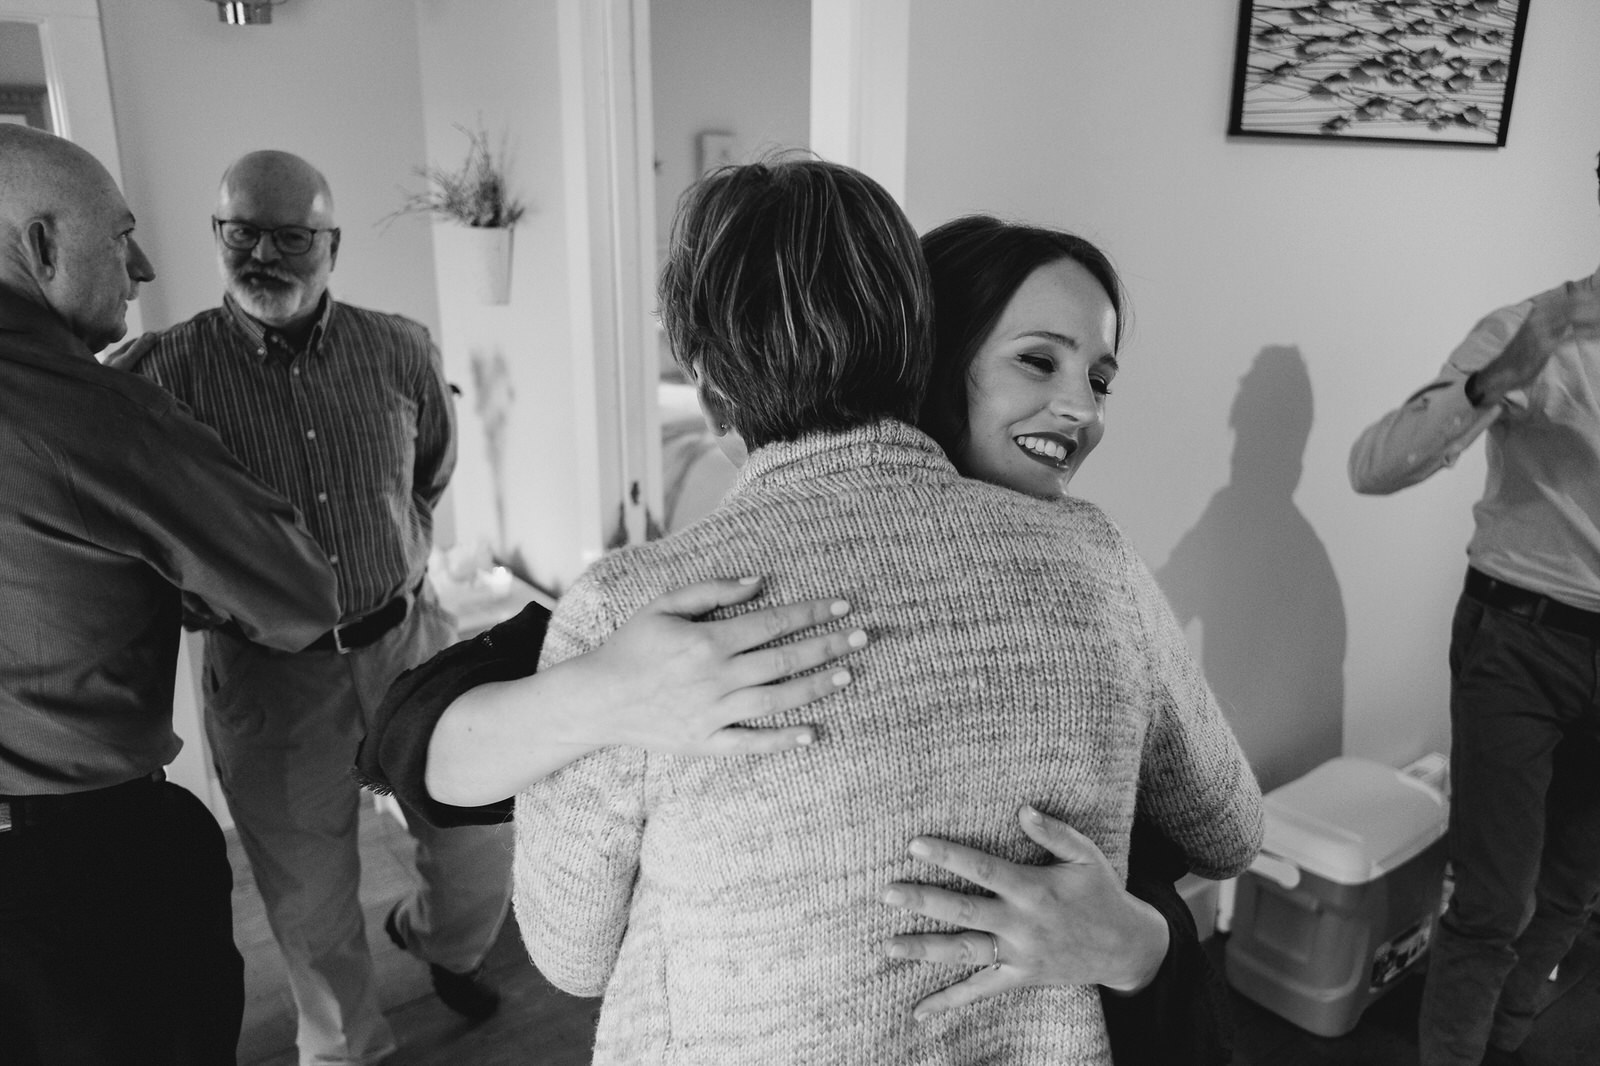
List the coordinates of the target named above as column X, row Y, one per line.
column 481, row 213
column 477, row 259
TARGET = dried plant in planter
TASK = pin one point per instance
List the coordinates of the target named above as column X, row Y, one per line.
column 474, row 195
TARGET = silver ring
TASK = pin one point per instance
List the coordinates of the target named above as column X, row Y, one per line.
column 994, row 942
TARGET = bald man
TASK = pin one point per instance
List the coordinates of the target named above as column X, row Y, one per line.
column 116, row 937
column 346, row 412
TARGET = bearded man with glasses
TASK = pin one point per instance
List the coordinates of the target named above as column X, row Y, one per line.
column 346, row 412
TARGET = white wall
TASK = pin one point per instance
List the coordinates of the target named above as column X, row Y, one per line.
column 1346, row 271
column 518, row 483
column 740, row 66
column 337, row 83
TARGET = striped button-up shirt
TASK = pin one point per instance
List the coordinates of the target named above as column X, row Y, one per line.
column 356, row 429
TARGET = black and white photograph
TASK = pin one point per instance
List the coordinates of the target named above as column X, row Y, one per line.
column 799, row 533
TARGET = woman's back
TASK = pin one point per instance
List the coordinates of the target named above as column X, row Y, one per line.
column 728, row 908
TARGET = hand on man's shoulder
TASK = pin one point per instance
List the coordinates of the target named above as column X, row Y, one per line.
column 130, row 355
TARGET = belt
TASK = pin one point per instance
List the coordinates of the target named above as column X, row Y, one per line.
column 363, row 631
column 1533, row 606
column 23, row 812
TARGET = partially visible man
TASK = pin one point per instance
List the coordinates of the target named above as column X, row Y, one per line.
column 346, row 412
column 1524, row 658
column 116, row 932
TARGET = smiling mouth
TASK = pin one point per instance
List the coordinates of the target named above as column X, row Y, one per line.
column 1051, row 449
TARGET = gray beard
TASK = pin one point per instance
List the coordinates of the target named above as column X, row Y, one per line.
column 270, row 306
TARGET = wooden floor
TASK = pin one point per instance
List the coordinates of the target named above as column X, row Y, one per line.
column 539, row 1026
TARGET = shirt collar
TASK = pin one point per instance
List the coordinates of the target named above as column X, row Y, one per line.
column 264, row 338
column 21, row 315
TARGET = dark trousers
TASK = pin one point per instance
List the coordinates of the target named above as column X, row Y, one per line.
column 1524, row 827
column 116, row 936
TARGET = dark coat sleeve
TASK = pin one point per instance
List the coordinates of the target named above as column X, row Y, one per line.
column 1181, row 1018
column 393, row 757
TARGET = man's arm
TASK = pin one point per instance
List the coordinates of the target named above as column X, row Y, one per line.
column 436, row 432
column 1503, row 355
column 214, row 530
column 1437, row 422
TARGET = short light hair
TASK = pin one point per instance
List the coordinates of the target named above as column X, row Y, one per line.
column 796, row 292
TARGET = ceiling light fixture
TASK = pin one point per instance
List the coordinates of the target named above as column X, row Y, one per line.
column 245, row 12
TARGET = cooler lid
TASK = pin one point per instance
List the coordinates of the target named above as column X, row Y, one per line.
column 1352, row 820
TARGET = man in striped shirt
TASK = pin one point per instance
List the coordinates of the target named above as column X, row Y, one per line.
column 346, row 412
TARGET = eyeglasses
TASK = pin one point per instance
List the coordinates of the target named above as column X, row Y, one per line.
column 289, row 240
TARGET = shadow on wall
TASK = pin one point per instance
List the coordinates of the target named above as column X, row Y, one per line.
column 1258, row 578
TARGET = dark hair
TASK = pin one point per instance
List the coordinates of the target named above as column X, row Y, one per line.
column 977, row 263
column 796, row 291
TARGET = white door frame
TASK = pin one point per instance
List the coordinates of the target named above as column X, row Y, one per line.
column 859, row 52
column 609, row 186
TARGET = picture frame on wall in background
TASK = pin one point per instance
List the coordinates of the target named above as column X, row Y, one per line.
column 25, row 106
column 1441, row 72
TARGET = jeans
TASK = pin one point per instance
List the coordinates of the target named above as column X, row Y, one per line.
column 1524, row 827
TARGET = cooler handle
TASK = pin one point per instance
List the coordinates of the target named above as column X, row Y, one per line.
column 1280, row 871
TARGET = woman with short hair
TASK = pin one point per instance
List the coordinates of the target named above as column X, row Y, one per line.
column 1022, row 656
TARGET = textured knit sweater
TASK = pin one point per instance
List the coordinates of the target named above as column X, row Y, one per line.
column 727, row 908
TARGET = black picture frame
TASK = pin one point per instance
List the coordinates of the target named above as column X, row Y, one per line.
column 1389, row 71
column 25, row 104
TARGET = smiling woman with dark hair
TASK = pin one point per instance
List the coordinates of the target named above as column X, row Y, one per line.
column 1023, row 659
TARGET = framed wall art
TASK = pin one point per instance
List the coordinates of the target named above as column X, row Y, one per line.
column 25, row 105
column 1440, row 72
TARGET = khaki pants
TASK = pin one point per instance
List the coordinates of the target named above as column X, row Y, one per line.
column 283, row 730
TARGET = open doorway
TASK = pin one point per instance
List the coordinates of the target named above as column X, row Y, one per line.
column 730, row 82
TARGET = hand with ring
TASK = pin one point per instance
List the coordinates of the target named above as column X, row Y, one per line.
column 1066, row 923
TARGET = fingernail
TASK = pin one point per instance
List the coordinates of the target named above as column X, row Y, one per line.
column 1032, row 815
column 919, row 1015
column 858, row 639
column 841, row 678
column 895, row 951
column 893, row 897
column 806, row 738
column 839, row 607
column 748, row 580
column 920, row 848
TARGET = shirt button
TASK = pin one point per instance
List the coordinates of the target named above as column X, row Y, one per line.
column 311, row 434
column 334, row 559
column 322, row 497
column 261, row 351
column 295, row 371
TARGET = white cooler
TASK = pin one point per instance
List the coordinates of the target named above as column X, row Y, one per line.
column 1343, row 899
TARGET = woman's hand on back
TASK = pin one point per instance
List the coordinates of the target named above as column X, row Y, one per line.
column 678, row 684
column 665, row 681
column 1067, row 923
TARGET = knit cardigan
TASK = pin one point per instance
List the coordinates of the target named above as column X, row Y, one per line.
column 727, row 908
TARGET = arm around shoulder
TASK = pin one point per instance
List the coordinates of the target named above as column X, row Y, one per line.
column 218, row 532
column 395, row 755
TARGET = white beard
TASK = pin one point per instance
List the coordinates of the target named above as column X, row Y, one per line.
column 270, row 305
